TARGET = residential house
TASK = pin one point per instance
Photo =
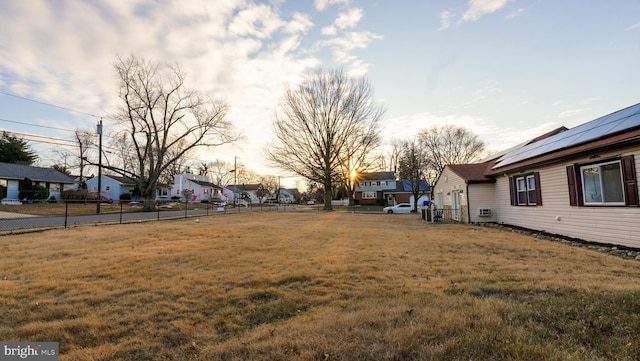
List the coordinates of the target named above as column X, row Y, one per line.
column 580, row 182
column 248, row 192
column 371, row 188
column 164, row 192
column 286, row 196
column 11, row 174
column 467, row 191
column 404, row 192
column 197, row 187
column 383, row 188
column 111, row 186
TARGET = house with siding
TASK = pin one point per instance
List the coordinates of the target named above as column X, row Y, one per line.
column 197, row 187
column 374, row 188
column 467, row 191
column 111, row 186
column 383, row 187
column 11, row 174
column 580, row 182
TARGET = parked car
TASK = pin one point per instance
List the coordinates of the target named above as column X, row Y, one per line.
column 399, row 208
column 93, row 197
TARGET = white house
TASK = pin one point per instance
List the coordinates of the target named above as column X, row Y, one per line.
column 197, row 187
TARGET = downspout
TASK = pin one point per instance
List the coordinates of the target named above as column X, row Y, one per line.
column 468, row 205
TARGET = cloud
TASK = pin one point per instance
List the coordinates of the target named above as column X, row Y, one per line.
column 445, row 19
column 342, row 49
column 478, row 8
column 515, row 13
column 632, row 27
column 345, row 20
column 323, row 4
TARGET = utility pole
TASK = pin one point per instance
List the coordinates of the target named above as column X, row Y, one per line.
column 99, row 131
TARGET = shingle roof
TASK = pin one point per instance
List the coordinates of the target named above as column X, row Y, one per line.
column 378, row 176
column 473, row 173
column 122, row 180
column 204, row 183
column 41, row 174
column 405, row 186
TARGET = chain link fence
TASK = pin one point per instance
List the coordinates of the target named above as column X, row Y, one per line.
column 34, row 216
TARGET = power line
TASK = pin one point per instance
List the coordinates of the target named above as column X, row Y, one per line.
column 51, row 105
column 36, row 125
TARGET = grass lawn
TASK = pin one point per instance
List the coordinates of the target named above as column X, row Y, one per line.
column 315, row 286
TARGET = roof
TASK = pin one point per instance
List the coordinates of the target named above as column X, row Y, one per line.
column 601, row 132
column 405, row 186
column 246, row 187
column 204, row 183
column 20, row 171
column 122, row 180
column 377, row 176
column 473, row 173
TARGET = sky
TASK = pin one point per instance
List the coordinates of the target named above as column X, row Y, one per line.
column 507, row 70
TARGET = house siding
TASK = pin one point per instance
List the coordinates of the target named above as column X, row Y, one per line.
column 449, row 183
column 614, row 225
column 481, row 195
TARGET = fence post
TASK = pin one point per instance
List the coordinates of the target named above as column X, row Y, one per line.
column 186, row 205
column 121, row 211
column 158, row 209
column 66, row 212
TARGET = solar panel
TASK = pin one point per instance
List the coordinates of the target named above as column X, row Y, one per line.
column 607, row 125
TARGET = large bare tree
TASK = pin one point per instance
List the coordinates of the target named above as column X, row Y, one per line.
column 448, row 144
column 413, row 165
column 320, row 122
column 163, row 120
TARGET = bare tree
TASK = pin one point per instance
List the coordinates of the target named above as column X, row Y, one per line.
column 319, row 123
column 163, row 120
column 413, row 165
column 221, row 172
column 356, row 157
column 448, row 144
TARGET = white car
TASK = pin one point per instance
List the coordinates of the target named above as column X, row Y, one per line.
column 399, row 208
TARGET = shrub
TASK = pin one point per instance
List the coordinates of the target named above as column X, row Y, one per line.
column 125, row 197
column 74, row 194
column 382, row 202
column 27, row 190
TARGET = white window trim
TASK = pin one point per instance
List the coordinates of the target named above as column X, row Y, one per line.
column 604, row 202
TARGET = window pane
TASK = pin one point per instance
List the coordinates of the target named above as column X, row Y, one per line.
column 521, row 186
column 612, row 179
column 532, row 196
column 591, row 184
column 522, row 197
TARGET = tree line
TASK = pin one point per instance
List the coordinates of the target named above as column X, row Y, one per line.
column 327, row 130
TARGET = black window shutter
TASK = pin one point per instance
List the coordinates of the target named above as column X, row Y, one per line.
column 571, row 180
column 536, row 178
column 512, row 191
column 629, row 180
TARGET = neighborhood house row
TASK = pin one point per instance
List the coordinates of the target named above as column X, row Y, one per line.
column 579, row 182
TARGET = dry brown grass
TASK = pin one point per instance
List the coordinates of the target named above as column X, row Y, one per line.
column 315, row 286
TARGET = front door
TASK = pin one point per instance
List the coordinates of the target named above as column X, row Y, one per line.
column 455, row 205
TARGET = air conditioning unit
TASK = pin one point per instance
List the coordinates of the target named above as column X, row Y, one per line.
column 484, row 212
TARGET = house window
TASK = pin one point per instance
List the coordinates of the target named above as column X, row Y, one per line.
column 525, row 190
column 602, row 184
column 378, row 183
column 107, row 188
column 164, row 192
column 607, row 183
column 369, row 195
